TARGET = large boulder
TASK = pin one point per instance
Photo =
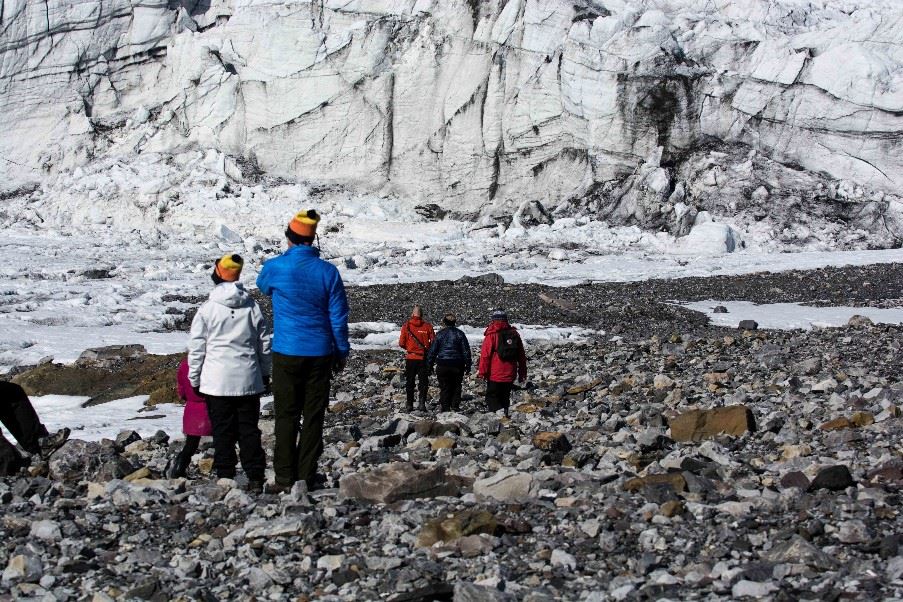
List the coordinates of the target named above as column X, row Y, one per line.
column 398, row 481
column 76, row 460
column 697, row 425
column 507, row 485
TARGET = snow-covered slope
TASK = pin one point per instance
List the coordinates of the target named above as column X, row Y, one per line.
column 647, row 110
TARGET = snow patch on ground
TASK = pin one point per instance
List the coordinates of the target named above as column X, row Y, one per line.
column 787, row 316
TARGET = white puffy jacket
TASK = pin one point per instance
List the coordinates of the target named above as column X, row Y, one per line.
column 229, row 348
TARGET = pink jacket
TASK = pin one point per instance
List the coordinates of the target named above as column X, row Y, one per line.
column 195, row 420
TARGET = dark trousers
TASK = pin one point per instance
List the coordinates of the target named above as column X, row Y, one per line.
column 414, row 371
column 450, row 380
column 18, row 416
column 498, row 396
column 192, row 443
column 234, row 420
column 300, row 391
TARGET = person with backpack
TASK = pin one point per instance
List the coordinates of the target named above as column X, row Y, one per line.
column 450, row 354
column 310, row 345
column 229, row 366
column 502, row 361
column 416, row 337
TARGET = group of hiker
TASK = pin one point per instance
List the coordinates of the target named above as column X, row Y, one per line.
column 502, row 360
column 233, row 359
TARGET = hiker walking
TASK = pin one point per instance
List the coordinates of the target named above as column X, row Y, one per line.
column 310, row 344
column 195, row 423
column 229, row 366
column 416, row 337
column 502, row 361
column 20, row 419
column 450, row 354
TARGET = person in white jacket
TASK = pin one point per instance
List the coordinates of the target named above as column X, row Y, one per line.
column 229, row 365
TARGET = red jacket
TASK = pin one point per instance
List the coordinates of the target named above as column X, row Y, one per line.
column 415, row 330
column 492, row 367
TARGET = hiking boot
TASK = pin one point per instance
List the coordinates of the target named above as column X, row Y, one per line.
column 51, row 443
column 409, row 406
column 178, row 467
column 277, row 488
column 318, row 481
column 255, row 486
column 422, row 406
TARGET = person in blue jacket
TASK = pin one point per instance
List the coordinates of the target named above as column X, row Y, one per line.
column 310, row 344
column 450, row 353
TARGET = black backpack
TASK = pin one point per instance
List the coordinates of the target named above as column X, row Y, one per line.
column 508, row 345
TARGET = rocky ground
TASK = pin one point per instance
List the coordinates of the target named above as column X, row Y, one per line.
column 688, row 462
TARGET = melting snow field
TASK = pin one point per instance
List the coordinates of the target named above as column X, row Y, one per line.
column 786, row 316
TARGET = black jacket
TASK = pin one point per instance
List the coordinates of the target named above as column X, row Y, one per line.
column 450, row 348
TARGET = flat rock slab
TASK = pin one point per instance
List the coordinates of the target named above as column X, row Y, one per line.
column 507, row 485
column 697, row 425
column 398, row 481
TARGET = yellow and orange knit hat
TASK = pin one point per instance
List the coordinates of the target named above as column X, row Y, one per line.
column 228, row 267
column 304, row 223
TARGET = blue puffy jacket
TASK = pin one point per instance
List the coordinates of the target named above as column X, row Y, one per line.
column 450, row 348
column 310, row 310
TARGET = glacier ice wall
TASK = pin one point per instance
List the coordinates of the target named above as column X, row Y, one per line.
column 462, row 103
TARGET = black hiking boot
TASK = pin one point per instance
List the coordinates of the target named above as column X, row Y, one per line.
column 178, row 468
column 51, row 443
column 255, row 486
column 277, row 488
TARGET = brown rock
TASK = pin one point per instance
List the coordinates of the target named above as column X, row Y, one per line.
column 578, row 389
column 671, row 508
column 551, row 441
column 716, row 378
column 675, row 480
column 443, row 443
column 862, row 419
column 697, row 425
column 141, row 473
column 205, row 465
column 454, row 526
column 837, row 424
column 528, row 408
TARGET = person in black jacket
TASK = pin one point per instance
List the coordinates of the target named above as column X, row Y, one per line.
column 450, row 353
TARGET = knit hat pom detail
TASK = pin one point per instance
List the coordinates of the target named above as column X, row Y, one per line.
column 228, row 267
column 305, row 223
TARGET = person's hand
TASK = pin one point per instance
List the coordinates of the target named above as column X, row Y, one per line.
column 197, row 391
column 338, row 363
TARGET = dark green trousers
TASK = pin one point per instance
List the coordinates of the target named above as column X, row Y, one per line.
column 300, row 391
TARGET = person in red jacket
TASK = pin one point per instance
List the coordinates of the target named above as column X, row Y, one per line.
column 416, row 337
column 502, row 361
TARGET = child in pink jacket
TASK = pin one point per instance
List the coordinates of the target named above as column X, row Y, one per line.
column 195, row 423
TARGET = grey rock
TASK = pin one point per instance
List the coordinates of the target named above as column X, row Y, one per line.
column 398, row 481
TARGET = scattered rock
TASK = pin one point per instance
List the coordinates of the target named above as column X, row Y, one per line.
column 833, row 478
column 697, row 425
